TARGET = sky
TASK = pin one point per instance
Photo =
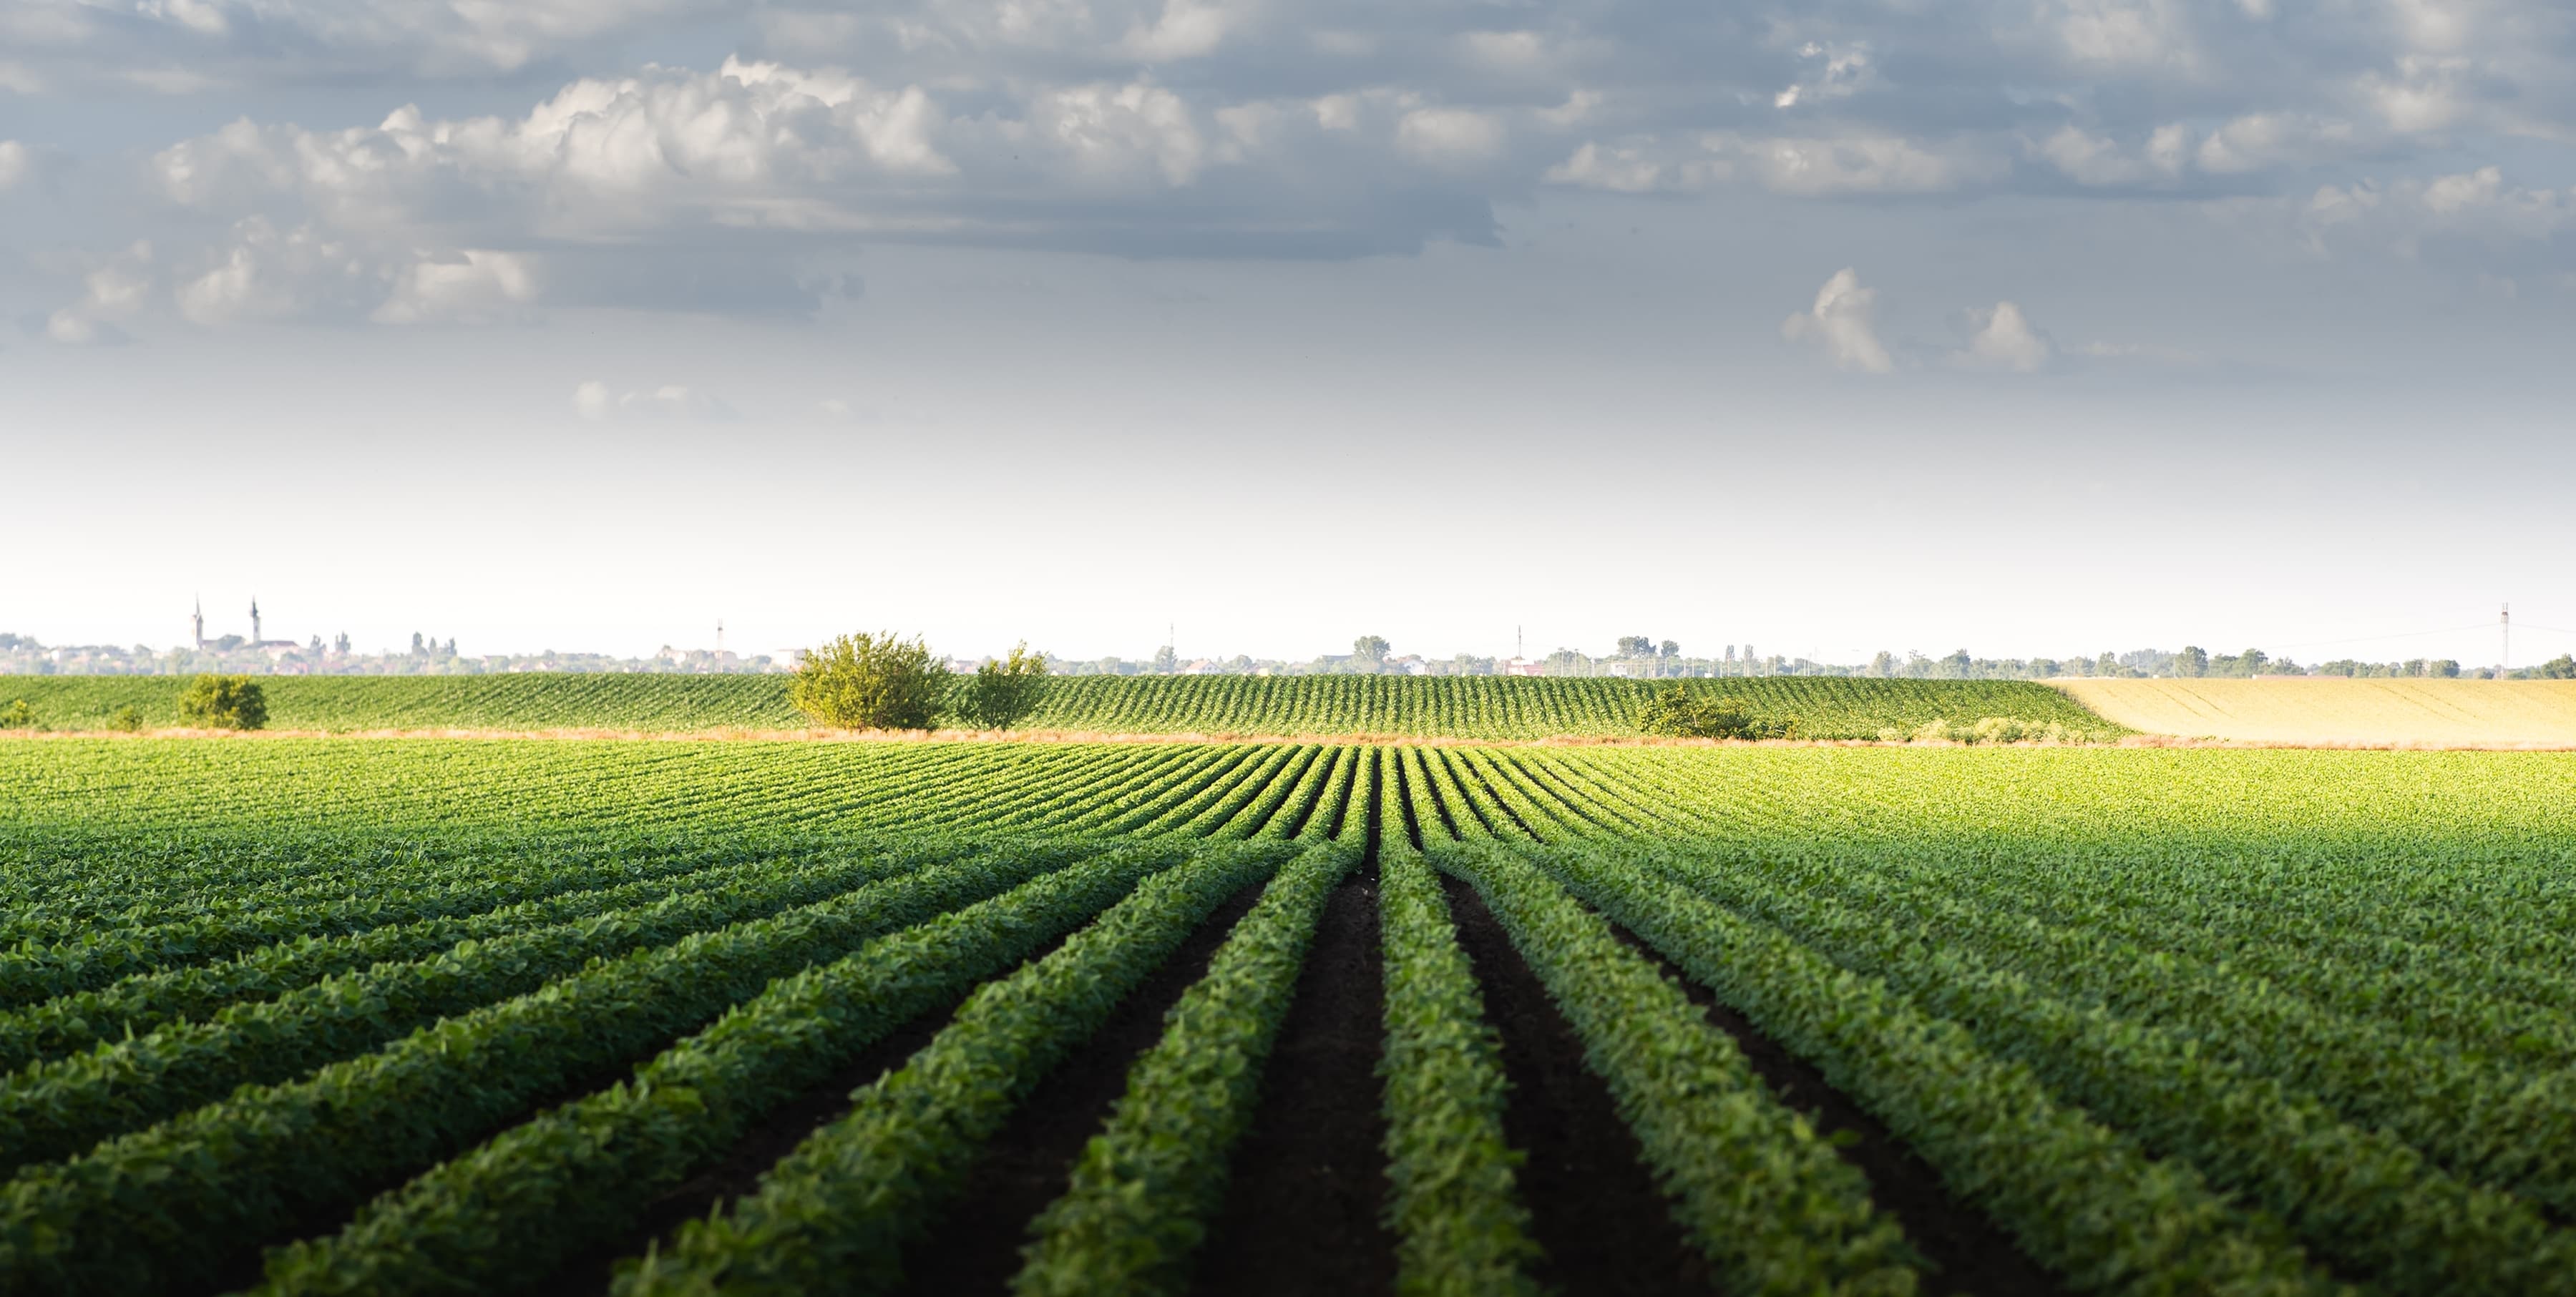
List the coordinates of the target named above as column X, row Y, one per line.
column 2034, row 328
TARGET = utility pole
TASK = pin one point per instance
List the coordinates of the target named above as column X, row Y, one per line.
column 2504, row 625
column 719, row 634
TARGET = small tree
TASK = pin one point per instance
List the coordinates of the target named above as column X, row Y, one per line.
column 1004, row 690
column 224, row 703
column 18, row 716
column 878, row 682
column 127, row 720
column 1677, row 712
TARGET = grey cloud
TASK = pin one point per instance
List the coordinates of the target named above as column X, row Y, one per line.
column 1232, row 128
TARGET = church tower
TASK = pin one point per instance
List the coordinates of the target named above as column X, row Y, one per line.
column 200, row 620
column 254, row 619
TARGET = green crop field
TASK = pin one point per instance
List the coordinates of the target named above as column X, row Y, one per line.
column 1475, row 707
column 423, row 1015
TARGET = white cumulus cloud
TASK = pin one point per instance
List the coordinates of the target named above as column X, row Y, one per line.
column 1841, row 323
column 2001, row 337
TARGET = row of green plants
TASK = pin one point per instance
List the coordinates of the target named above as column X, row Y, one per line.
column 144, row 1002
column 275, row 1161
column 61, row 1106
column 1454, row 1201
column 508, row 1215
column 1760, row 1192
column 2078, row 1196
column 840, row 1210
column 2362, row 1196
column 1146, row 1187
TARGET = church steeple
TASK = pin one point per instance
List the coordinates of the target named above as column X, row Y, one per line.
column 254, row 619
column 200, row 620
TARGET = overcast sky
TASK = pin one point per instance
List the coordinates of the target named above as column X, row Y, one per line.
column 2034, row 327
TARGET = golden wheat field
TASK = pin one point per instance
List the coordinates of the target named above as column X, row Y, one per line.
column 2430, row 713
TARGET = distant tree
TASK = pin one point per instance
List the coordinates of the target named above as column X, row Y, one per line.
column 17, row 716
column 1371, row 648
column 2561, row 667
column 1882, row 666
column 1635, row 646
column 871, row 682
column 1677, row 711
column 224, row 703
column 1670, row 649
column 1004, row 690
column 2449, row 669
column 2107, row 665
column 127, row 720
column 2192, row 662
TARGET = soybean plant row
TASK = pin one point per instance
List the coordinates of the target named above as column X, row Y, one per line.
column 439, row 1017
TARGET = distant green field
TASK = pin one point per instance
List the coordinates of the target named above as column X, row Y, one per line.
column 1483, row 707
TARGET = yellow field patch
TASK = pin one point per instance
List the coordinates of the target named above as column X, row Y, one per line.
column 2467, row 713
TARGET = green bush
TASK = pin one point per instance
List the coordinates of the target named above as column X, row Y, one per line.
column 1993, row 729
column 1679, row 713
column 18, row 716
column 871, row 682
column 126, row 720
column 224, row 703
column 1003, row 690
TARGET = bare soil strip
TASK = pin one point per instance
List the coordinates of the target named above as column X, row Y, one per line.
column 1593, row 1205
column 1971, row 1253
column 1308, row 1182
column 976, row 1248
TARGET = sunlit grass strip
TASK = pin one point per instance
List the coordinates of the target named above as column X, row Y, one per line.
column 1762, row 1195
column 2081, row 1199
column 1460, row 1226
column 1143, row 1192
column 273, row 1160
column 507, row 1215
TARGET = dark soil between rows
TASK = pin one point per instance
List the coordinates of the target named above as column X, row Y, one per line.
column 1307, row 1184
column 1972, row 1254
column 1593, row 1205
column 976, row 1247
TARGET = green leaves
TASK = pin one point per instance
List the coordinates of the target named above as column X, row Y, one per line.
column 1459, row 1221
column 1763, row 1197
column 1145, row 1187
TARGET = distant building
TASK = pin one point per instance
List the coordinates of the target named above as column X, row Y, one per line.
column 1518, row 667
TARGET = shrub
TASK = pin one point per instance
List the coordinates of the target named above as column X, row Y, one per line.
column 224, row 703
column 18, row 716
column 1004, row 690
column 126, row 720
column 1679, row 713
column 1992, row 729
column 864, row 681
